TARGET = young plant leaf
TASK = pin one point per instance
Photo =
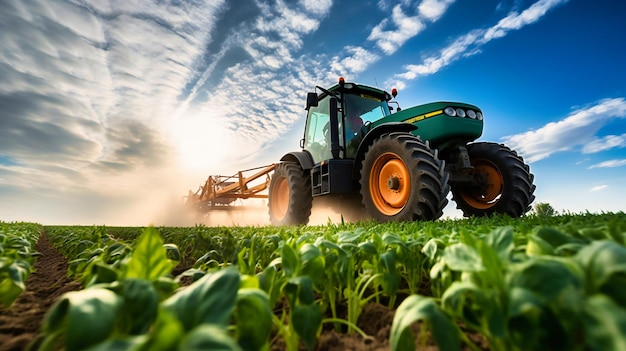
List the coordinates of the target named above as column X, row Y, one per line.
column 605, row 325
column 209, row 300
column 415, row 308
column 149, row 258
column 462, row 257
column 209, row 337
column 84, row 318
column 254, row 319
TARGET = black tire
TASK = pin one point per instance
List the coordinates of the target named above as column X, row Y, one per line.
column 402, row 179
column 505, row 183
column 290, row 199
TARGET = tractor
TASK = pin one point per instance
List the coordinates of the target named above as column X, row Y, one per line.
column 399, row 164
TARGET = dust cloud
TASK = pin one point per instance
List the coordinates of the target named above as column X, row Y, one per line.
column 250, row 212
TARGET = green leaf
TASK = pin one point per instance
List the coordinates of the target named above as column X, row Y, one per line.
column 172, row 252
column 141, row 303
column 350, row 237
column 165, row 334
column 605, row 325
column 211, row 299
column 312, row 262
column 537, row 246
column 290, row 261
column 461, row 257
column 465, row 300
column 545, row 277
column 128, row 344
column 209, row 337
column 254, row 319
column 501, row 240
column 306, row 321
column 431, row 248
column 10, row 288
column 101, row 273
column 415, row 308
column 85, row 317
column 149, row 259
column 368, row 248
column 602, row 260
column 299, row 290
column 524, row 318
column 555, row 237
column 391, row 277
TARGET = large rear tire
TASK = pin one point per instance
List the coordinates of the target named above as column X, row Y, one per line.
column 290, row 200
column 402, row 179
column 505, row 183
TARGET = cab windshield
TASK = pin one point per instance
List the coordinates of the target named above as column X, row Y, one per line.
column 359, row 110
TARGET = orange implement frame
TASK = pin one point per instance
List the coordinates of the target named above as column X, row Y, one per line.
column 220, row 192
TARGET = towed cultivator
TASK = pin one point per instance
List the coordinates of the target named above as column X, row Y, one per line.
column 221, row 192
column 397, row 164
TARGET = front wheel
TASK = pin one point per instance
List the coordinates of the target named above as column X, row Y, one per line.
column 290, row 200
column 504, row 183
column 402, row 179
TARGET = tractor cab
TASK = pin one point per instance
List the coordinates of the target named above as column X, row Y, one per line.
column 341, row 116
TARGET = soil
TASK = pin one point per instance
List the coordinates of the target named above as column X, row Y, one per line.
column 20, row 323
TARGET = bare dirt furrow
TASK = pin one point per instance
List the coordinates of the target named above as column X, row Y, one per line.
column 20, row 323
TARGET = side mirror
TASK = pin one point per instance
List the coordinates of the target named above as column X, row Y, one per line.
column 311, row 100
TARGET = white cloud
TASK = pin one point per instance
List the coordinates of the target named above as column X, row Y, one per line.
column 89, row 85
column 258, row 99
column 605, row 143
column 609, row 164
column 405, row 27
column 391, row 35
column 470, row 43
column 599, row 187
column 515, row 21
column 356, row 61
column 433, row 9
column 446, row 56
column 317, row 7
column 575, row 130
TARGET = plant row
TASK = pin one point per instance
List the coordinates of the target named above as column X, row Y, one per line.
column 522, row 285
column 17, row 257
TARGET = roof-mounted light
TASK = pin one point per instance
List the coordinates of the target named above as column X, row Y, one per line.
column 394, row 92
column 342, row 82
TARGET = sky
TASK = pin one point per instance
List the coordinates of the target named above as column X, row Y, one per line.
column 110, row 111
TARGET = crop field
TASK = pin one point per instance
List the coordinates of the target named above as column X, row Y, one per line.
column 535, row 283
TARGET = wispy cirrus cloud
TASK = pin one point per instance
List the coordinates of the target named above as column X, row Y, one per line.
column 470, row 43
column 609, row 164
column 86, row 87
column 407, row 20
column 599, row 187
column 575, row 130
column 390, row 34
column 604, row 143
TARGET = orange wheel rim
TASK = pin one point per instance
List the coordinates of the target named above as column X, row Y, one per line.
column 489, row 195
column 390, row 184
column 280, row 198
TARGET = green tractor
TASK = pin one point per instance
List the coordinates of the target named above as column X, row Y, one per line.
column 400, row 165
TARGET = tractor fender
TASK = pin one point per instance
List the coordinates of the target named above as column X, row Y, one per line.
column 303, row 158
column 371, row 135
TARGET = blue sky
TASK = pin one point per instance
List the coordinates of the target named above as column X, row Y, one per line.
column 111, row 110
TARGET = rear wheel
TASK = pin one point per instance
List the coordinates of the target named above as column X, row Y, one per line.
column 505, row 184
column 403, row 180
column 290, row 198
